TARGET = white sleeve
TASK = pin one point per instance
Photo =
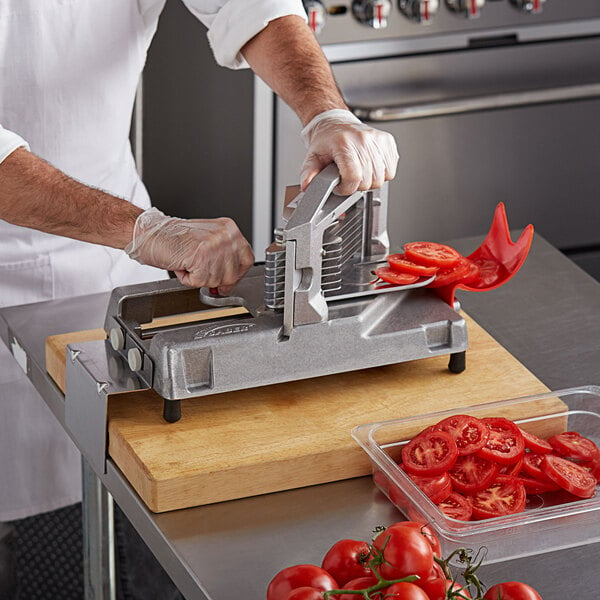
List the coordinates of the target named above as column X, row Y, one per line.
column 232, row 23
column 9, row 142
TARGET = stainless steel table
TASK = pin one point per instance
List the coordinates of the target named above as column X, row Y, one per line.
column 548, row 317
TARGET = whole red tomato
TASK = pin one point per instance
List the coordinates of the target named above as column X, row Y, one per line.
column 405, row 591
column 435, row 584
column 457, row 589
column 427, row 532
column 512, row 590
column 360, row 583
column 305, row 593
column 297, row 576
column 406, row 551
column 346, row 560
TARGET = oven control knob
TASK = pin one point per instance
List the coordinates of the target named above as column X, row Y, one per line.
column 373, row 13
column 469, row 8
column 316, row 14
column 530, row 6
column 421, row 11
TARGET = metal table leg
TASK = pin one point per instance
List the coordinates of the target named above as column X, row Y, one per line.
column 98, row 538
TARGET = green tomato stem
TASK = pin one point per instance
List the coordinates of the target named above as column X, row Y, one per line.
column 365, row 592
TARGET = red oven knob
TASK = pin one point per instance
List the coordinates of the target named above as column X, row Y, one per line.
column 316, row 14
column 530, row 6
column 421, row 11
column 373, row 13
column 469, row 8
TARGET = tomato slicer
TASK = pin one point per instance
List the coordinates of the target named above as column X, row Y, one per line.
column 314, row 308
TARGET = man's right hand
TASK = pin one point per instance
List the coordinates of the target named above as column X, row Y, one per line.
column 202, row 252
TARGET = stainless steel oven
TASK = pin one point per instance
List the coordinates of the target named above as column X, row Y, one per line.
column 489, row 101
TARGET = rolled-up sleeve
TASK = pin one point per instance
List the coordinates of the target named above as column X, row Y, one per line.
column 232, row 23
column 9, row 142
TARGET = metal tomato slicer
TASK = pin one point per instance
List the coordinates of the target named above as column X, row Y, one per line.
column 314, row 308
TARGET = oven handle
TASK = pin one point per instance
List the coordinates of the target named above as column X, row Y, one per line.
column 479, row 103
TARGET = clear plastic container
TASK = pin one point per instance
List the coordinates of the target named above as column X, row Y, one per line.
column 548, row 522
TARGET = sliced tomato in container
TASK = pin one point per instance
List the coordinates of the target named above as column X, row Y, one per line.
column 472, row 473
column 390, row 276
column 469, row 433
column 532, row 465
column 570, row 476
column 429, row 453
column 593, row 466
column 400, row 263
column 398, row 497
column 457, row 506
column 381, row 480
column 505, row 444
column 432, row 254
column 573, row 445
column 535, row 443
column 463, row 271
column 512, row 469
column 436, row 488
column 504, row 496
column 537, row 486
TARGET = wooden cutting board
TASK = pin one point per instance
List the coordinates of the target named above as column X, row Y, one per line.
column 288, row 435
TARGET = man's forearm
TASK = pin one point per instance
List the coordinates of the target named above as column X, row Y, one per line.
column 36, row 195
column 288, row 58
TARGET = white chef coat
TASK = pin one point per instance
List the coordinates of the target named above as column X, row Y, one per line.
column 68, row 76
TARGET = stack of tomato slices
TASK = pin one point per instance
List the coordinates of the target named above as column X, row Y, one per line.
column 481, row 468
column 422, row 260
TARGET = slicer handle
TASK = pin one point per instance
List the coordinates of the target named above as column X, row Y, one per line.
column 330, row 175
column 315, row 196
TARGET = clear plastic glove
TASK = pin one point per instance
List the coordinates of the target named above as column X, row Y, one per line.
column 202, row 252
column 365, row 157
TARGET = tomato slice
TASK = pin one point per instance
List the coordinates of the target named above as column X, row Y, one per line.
column 535, row 443
column 511, row 469
column 490, row 272
column 429, row 453
column 390, row 276
column 464, row 271
column 469, row 433
column 532, row 465
column 574, row 445
column 456, row 506
column 537, row 486
column 436, row 488
column 504, row 496
column 572, row 477
column 593, row 466
column 431, row 254
column 400, row 263
column 472, row 473
column 381, row 481
column 505, row 444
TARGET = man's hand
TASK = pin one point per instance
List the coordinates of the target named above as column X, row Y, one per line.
column 209, row 252
column 365, row 157
column 202, row 252
column 287, row 56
